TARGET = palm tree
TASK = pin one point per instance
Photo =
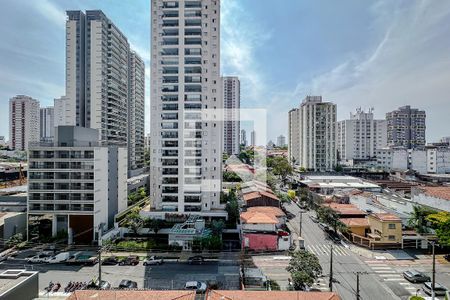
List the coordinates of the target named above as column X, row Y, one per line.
column 417, row 218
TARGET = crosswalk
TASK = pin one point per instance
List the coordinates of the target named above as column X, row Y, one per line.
column 322, row 285
column 324, row 250
column 388, row 274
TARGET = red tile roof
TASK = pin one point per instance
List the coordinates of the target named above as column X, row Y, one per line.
column 442, row 192
column 355, row 222
column 258, row 218
column 345, row 209
column 275, row 211
column 387, row 217
column 269, row 295
column 131, row 295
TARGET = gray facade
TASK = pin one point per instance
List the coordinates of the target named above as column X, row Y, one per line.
column 97, row 56
column 406, row 127
column 136, row 113
column 232, row 103
column 47, row 123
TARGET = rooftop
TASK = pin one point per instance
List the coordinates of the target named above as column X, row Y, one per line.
column 386, row 217
column 11, row 278
column 441, row 192
column 270, row 295
column 345, row 209
column 274, row 211
column 258, row 218
column 135, row 295
column 355, row 222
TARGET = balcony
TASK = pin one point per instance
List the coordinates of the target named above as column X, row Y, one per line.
column 169, row 134
column 170, row 190
column 193, row 4
column 170, row 153
column 170, row 79
column 170, row 70
column 192, row 41
column 170, row 171
column 170, row 144
column 169, row 116
column 193, row 51
column 193, row 70
column 170, row 162
column 193, row 106
column 169, row 51
column 170, row 89
column 168, row 98
column 170, row 23
column 170, row 4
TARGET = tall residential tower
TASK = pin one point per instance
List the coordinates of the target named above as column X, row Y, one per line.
column 231, row 102
column 359, row 136
column 186, row 106
column 23, row 122
column 406, row 127
column 312, row 134
column 47, row 123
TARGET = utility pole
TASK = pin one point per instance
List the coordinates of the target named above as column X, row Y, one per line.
column 330, row 284
column 300, row 225
column 433, row 273
column 100, row 267
column 357, row 286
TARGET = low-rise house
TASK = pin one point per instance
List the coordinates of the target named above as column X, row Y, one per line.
column 358, row 226
column 433, row 197
column 385, row 229
column 132, row 294
column 327, row 185
column 346, row 210
column 261, row 229
column 260, row 198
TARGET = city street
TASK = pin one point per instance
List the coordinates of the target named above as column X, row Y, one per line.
column 382, row 278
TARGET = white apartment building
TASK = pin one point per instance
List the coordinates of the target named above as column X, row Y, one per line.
column 313, row 127
column 76, row 183
column 136, row 114
column 359, row 136
column 232, row 103
column 47, row 120
column 281, row 141
column 294, row 136
column 186, row 107
column 61, row 111
column 429, row 160
column 97, row 56
column 23, row 122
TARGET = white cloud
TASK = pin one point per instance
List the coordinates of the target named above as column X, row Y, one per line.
column 50, row 11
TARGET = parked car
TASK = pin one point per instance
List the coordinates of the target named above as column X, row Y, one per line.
column 198, row 286
column 196, row 260
column 127, row 284
column 103, row 285
column 447, row 257
column 323, row 226
column 59, row 258
column 39, row 258
column 131, row 260
column 314, row 219
column 153, row 260
column 415, row 276
column 290, row 215
column 439, row 289
column 110, row 261
column 334, row 236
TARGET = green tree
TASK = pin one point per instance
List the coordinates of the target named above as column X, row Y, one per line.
column 217, row 227
column 133, row 220
column 281, row 167
column 232, row 207
column 417, row 218
column 14, row 240
column 154, row 224
column 231, row 177
column 331, row 218
column 304, row 268
column 443, row 233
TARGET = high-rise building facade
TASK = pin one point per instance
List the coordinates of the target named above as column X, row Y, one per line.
column 61, row 111
column 186, row 106
column 78, row 184
column 23, row 122
column 312, row 134
column 406, row 127
column 281, row 141
column 359, row 136
column 244, row 137
column 97, row 56
column 47, row 123
column 253, row 138
column 294, row 136
column 232, row 103
column 136, row 113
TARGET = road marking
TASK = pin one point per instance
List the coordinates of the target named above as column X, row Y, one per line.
column 385, row 271
column 381, row 267
column 393, row 279
column 390, row 275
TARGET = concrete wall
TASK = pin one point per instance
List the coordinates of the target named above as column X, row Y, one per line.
column 423, row 199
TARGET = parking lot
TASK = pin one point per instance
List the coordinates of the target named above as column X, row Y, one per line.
column 170, row 275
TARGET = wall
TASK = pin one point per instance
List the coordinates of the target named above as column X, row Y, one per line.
column 383, row 227
column 436, row 203
column 256, row 241
column 15, row 223
column 259, row 227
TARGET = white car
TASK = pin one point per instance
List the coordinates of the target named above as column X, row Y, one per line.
column 40, row 258
column 198, row 286
column 153, row 260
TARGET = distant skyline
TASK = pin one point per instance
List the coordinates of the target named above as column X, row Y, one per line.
column 382, row 54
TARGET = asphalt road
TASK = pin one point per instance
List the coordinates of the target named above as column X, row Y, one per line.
column 345, row 262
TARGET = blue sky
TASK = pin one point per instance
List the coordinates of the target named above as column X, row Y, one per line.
column 381, row 54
